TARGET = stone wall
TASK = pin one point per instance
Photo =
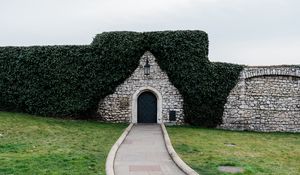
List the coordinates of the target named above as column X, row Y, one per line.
column 265, row 99
column 121, row 105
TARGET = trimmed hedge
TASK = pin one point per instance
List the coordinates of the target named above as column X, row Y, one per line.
column 71, row 80
column 183, row 55
column 59, row 80
column 48, row 80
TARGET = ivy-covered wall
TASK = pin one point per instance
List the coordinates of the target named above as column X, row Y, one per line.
column 71, row 80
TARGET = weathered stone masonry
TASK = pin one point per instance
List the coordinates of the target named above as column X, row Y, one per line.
column 265, row 99
column 121, row 106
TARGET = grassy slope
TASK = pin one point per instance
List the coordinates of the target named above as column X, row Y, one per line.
column 36, row 145
column 259, row 153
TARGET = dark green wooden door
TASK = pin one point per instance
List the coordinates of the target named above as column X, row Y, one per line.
column 147, row 108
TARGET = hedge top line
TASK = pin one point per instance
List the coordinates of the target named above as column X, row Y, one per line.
column 195, row 39
column 188, row 38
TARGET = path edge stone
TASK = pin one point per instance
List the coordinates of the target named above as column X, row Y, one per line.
column 109, row 165
column 178, row 161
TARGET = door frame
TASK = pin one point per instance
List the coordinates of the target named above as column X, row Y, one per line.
column 135, row 103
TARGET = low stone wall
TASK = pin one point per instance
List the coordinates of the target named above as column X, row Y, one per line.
column 265, row 99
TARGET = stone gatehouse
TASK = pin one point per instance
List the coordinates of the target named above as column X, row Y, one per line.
column 265, row 99
column 144, row 98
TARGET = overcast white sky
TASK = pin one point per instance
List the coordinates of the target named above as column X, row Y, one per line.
column 253, row 32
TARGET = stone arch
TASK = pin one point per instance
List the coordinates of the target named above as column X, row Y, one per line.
column 135, row 102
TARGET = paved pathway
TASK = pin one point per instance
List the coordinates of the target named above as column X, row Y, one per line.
column 143, row 152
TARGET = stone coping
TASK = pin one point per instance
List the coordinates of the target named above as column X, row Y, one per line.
column 249, row 72
column 109, row 166
column 178, row 161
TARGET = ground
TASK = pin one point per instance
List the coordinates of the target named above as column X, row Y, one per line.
column 258, row 153
column 37, row 145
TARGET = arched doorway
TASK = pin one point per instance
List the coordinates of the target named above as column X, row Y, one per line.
column 134, row 104
column 147, row 108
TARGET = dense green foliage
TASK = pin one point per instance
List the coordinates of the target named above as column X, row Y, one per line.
column 53, row 80
column 70, row 80
column 32, row 145
column 63, row 80
column 203, row 85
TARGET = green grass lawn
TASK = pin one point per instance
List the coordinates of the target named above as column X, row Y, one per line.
column 258, row 153
column 37, row 145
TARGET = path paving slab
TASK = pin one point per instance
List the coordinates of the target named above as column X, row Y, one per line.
column 143, row 152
